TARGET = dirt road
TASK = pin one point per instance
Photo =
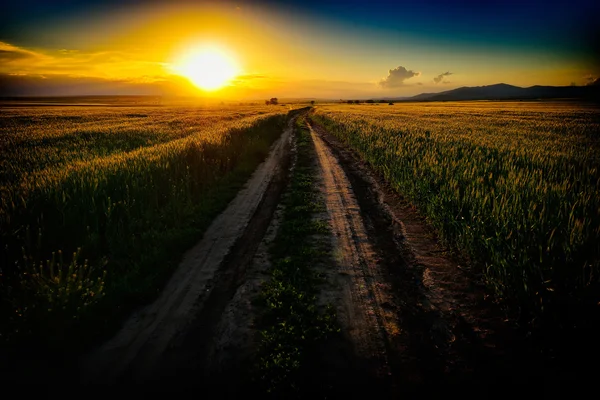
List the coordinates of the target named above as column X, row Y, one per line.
column 412, row 319
column 363, row 310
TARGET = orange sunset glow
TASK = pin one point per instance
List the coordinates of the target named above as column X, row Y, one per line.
column 254, row 50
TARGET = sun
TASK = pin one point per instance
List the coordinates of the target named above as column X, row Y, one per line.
column 209, row 68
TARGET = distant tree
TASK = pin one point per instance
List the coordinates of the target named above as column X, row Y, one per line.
column 356, row 101
column 350, row 101
column 312, row 102
column 267, row 102
column 274, row 100
column 370, row 101
column 391, row 103
column 573, row 84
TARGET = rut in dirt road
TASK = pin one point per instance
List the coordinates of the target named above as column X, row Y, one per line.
column 135, row 353
column 362, row 311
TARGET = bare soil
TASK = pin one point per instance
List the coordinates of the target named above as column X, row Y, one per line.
column 362, row 302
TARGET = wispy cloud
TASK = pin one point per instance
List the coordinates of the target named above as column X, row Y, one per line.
column 440, row 77
column 65, row 85
column 12, row 54
column 397, row 76
column 249, row 80
column 102, row 64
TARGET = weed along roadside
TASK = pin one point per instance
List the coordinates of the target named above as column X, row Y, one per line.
column 294, row 325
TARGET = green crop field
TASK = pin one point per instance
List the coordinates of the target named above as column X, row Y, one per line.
column 513, row 186
column 98, row 204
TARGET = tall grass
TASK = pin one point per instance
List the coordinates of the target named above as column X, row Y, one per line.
column 515, row 187
column 125, row 193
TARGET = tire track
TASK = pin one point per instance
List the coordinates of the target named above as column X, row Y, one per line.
column 363, row 310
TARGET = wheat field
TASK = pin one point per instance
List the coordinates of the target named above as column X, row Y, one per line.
column 513, row 186
column 99, row 202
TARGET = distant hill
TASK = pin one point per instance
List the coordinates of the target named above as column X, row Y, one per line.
column 502, row 91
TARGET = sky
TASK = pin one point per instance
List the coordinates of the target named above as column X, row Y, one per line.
column 301, row 49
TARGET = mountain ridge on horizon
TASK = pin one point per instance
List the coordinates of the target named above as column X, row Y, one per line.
column 504, row 91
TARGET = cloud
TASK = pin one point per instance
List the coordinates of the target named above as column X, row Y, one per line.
column 397, row 76
column 7, row 55
column 440, row 77
column 101, row 64
column 65, row 85
column 591, row 80
column 249, row 80
column 10, row 53
column 420, row 83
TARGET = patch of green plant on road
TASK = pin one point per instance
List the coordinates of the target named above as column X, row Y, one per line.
column 293, row 325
